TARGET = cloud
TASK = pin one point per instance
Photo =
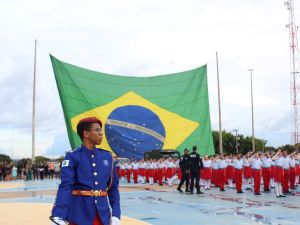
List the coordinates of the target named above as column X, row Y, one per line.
column 145, row 38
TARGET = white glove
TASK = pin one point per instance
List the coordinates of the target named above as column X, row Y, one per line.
column 115, row 221
column 59, row 221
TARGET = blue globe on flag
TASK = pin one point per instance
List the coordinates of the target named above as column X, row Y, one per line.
column 132, row 130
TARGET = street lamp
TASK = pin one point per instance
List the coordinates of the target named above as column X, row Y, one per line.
column 253, row 139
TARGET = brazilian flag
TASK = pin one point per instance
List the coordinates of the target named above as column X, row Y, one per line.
column 138, row 113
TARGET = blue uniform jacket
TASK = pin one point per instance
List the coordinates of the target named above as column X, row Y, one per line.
column 84, row 169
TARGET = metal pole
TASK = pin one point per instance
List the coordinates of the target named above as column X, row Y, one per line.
column 236, row 141
column 33, row 105
column 219, row 105
column 253, row 138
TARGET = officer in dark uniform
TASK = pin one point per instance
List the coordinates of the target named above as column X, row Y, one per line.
column 88, row 193
column 195, row 163
column 184, row 166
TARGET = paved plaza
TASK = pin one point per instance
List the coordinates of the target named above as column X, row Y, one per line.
column 31, row 202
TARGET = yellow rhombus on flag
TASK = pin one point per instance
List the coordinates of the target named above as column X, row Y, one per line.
column 177, row 127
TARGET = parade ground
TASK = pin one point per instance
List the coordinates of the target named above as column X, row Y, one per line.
column 30, row 203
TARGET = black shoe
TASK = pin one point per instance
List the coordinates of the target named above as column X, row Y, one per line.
column 222, row 189
column 200, row 192
column 257, row 193
column 239, row 192
column 282, row 196
column 178, row 189
column 187, row 190
column 267, row 190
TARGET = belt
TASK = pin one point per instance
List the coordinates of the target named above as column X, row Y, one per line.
column 96, row 193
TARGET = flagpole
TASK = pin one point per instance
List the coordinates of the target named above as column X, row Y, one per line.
column 219, row 105
column 33, row 104
column 253, row 137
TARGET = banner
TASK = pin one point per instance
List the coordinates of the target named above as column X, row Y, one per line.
column 138, row 113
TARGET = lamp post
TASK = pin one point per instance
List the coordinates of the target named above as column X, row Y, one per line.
column 236, row 141
column 253, row 139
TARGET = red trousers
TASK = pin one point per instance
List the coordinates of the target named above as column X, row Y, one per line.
column 135, row 176
column 285, row 180
column 128, row 173
column 96, row 221
column 266, row 172
column 256, row 177
column 221, row 174
column 160, row 176
column 292, row 177
column 238, row 175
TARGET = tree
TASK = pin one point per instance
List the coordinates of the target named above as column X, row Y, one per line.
column 4, row 158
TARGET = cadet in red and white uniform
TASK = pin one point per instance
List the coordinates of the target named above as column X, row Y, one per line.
column 292, row 177
column 266, row 171
column 169, row 172
column 256, row 172
column 221, row 172
column 122, row 171
column 135, row 171
column 151, row 172
column 160, row 169
column 214, row 175
column 147, row 170
column 206, row 171
column 128, row 171
column 238, row 173
column 230, row 171
column 286, row 172
column 272, row 174
column 278, row 159
column 142, row 171
column 297, row 162
column 247, row 171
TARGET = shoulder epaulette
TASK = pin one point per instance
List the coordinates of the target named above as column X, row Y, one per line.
column 74, row 150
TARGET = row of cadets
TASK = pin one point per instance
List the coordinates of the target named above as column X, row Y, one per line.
column 238, row 173
column 206, row 172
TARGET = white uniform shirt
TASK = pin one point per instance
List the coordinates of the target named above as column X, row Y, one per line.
column 135, row 166
column 221, row 164
column 266, row 162
column 285, row 163
column 256, row 164
column 238, row 164
column 207, row 163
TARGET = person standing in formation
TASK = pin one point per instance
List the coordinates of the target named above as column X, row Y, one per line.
column 195, row 163
column 238, row 173
column 184, row 167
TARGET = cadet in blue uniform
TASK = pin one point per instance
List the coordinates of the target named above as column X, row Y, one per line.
column 89, row 182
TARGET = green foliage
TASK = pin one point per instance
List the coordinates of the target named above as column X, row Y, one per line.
column 42, row 159
column 4, row 158
column 243, row 143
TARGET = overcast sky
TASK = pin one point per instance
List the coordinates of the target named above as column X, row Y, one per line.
column 143, row 38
